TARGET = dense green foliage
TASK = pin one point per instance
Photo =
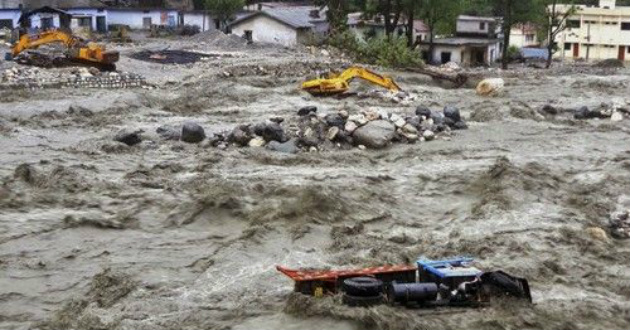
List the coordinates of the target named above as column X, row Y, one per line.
column 383, row 51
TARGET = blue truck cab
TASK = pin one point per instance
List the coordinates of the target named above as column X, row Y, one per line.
column 450, row 272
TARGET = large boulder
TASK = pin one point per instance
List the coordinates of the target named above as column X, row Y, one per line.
column 270, row 131
column 192, row 133
column 375, row 134
column 129, row 137
column 452, row 113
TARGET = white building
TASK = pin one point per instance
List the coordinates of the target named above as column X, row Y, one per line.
column 286, row 26
column 600, row 32
column 200, row 18
column 142, row 18
column 477, row 42
column 524, row 36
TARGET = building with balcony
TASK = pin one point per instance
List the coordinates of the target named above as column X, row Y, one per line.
column 596, row 32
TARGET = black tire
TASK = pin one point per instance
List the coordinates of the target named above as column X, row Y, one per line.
column 363, row 286
column 354, row 301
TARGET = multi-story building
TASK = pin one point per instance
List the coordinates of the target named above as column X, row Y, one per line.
column 596, row 32
column 477, row 41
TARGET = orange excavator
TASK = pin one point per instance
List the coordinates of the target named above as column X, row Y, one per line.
column 77, row 50
column 338, row 83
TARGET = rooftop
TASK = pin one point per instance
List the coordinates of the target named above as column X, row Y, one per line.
column 296, row 17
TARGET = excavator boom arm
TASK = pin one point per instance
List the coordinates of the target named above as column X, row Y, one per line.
column 26, row 42
column 371, row 76
column 340, row 83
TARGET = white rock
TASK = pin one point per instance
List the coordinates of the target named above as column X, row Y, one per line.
column 616, row 116
column 351, row 126
column 428, row 135
column 332, row 133
column 489, row 87
column 410, row 129
column 362, row 147
column 257, row 142
column 360, row 120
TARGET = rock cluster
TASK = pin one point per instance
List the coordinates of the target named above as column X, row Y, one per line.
column 310, row 131
column 33, row 77
column 620, row 224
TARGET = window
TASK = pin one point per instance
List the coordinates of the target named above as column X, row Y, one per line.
column 628, row 49
column 573, row 24
column 529, row 38
column 146, row 22
column 567, row 46
column 6, row 23
column 445, row 57
column 482, row 26
column 84, row 21
column 625, row 26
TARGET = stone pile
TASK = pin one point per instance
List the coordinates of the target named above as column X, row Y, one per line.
column 620, row 224
column 311, row 131
column 33, row 77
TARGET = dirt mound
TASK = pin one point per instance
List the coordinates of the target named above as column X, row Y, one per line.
column 611, row 63
column 219, row 39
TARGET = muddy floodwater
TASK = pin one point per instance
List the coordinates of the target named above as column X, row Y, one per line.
column 95, row 234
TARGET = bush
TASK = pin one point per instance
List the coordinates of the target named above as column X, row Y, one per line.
column 514, row 53
column 383, row 51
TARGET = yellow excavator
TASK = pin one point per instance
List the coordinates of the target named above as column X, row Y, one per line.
column 338, row 83
column 77, row 50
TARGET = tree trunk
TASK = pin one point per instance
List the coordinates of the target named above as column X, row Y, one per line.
column 431, row 46
column 507, row 27
column 410, row 19
column 387, row 11
column 550, row 50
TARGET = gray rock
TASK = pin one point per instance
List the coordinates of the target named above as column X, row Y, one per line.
column 335, row 120
column 583, row 113
column 240, row 135
column 271, row 131
column 460, row 125
column 550, row 109
column 375, row 134
column 305, row 111
column 192, row 133
column 423, row 111
column 129, row 137
column 452, row 113
column 289, row 147
column 168, row 132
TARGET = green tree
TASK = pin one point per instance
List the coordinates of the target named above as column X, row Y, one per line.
column 554, row 22
column 514, row 12
column 224, row 10
column 438, row 15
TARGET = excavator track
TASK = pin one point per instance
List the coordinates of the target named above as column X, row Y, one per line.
column 47, row 61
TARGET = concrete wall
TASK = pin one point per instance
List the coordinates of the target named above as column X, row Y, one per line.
column 467, row 26
column 13, row 15
column 463, row 55
column 88, row 12
column 204, row 22
column 135, row 18
column 265, row 29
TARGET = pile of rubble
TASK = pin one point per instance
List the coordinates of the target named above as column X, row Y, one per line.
column 620, row 224
column 76, row 77
column 289, row 70
column 372, row 129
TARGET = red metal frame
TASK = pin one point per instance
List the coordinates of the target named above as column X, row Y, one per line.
column 300, row 275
